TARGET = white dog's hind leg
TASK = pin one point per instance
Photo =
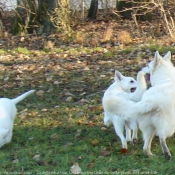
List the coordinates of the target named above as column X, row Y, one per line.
column 148, row 137
column 119, row 129
column 128, row 133
column 165, row 148
column 132, row 124
column 134, row 136
column 106, row 120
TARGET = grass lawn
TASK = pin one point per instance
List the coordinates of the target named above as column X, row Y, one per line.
column 62, row 124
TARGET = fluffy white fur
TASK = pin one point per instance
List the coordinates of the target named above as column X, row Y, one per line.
column 114, row 96
column 7, row 116
column 155, row 112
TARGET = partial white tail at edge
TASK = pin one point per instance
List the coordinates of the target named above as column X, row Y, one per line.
column 23, row 96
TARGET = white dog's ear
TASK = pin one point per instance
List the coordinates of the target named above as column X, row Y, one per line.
column 118, row 76
column 157, row 59
column 167, row 57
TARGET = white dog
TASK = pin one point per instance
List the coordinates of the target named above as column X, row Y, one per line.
column 156, row 110
column 7, row 116
column 122, row 89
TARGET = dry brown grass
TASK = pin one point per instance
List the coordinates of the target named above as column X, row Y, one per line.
column 107, row 34
column 88, row 38
column 124, row 37
column 80, row 37
column 49, row 45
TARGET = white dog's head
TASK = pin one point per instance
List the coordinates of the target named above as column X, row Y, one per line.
column 128, row 84
column 160, row 64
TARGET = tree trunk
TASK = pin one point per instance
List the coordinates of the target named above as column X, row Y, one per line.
column 47, row 10
column 92, row 14
column 44, row 16
column 25, row 17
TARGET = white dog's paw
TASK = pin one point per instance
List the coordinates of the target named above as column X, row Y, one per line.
column 141, row 80
column 141, row 74
column 167, row 156
column 148, row 153
column 134, row 141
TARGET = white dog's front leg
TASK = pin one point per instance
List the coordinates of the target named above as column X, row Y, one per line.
column 141, row 87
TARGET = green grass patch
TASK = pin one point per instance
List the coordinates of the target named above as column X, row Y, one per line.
column 22, row 50
column 125, row 51
column 2, row 52
column 161, row 48
column 63, row 122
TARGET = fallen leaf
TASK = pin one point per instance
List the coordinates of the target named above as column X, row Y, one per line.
column 102, row 76
column 36, row 157
column 83, row 101
column 69, row 99
column 108, row 149
column 77, row 135
column 6, row 78
column 56, row 82
column 49, row 78
column 123, row 151
column 94, row 142
column 105, row 152
column 68, row 94
column 75, row 169
column 82, row 93
column 43, row 110
column 91, row 164
column 54, row 136
column 86, row 68
column 45, row 163
column 80, row 122
column 103, row 129
column 40, row 92
column 92, row 108
column 16, row 161
column 67, row 145
column 79, row 130
column 79, row 114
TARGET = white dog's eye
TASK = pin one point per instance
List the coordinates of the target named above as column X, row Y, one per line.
column 132, row 81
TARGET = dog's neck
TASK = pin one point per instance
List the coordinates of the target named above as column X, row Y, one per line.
column 115, row 87
column 163, row 81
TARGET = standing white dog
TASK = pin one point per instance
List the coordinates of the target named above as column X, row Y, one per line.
column 7, row 116
column 156, row 110
column 123, row 89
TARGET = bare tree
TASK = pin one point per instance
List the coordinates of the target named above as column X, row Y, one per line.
column 92, row 14
column 163, row 10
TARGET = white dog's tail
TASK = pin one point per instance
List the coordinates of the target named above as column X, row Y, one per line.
column 22, row 97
